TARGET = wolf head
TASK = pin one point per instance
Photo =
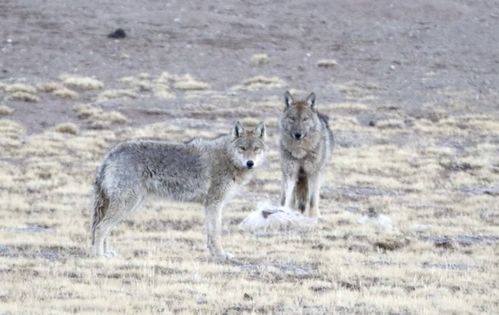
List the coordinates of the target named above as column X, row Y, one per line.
column 247, row 147
column 299, row 119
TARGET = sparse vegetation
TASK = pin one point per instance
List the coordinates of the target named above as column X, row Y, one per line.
column 327, row 63
column 23, row 97
column 57, row 89
column 439, row 202
column 410, row 215
column 97, row 118
column 81, row 82
column 68, row 127
column 117, row 94
column 259, row 59
column 188, row 83
column 5, row 110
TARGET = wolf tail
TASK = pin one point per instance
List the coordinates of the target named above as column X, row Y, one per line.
column 101, row 204
column 301, row 191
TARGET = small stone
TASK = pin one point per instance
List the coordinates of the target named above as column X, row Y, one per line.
column 117, row 34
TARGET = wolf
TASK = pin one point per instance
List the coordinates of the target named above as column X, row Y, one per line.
column 205, row 171
column 306, row 145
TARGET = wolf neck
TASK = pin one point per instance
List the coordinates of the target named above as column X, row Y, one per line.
column 239, row 175
column 300, row 149
column 217, row 150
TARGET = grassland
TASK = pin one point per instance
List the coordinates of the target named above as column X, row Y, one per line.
column 435, row 174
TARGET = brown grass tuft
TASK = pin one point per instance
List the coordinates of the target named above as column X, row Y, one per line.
column 98, row 118
column 19, row 87
column 5, row 110
column 81, row 82
column 188, row 83
column 259, row 59
column 117, row 94
column 57, row 89
column 326, row 63
column 67, row 127
column 23, row 97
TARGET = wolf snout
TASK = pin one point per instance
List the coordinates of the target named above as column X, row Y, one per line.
column 298, row 135
column 250, row 164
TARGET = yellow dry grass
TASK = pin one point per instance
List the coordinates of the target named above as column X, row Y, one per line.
column 117, row 94
column 260, row 82
column 57, row 89
column 19, row 87
column 81, row 82
column 259, row 59
column 188, row 83
column 327, row 63
column 5, row 110
column 23, row 97
column 67, row 127
column 97, row 117
column 440, row 191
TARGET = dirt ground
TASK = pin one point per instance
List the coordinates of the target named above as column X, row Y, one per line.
column 412, row 91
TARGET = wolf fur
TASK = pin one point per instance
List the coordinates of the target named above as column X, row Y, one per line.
column 306, row 145
column 205, row 171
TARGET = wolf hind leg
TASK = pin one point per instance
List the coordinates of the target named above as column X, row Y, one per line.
column 118, row 210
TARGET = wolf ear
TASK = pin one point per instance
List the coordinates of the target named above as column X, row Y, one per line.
column 238, row 130
column 311, row 100
column 288, row 99
column 260, row 130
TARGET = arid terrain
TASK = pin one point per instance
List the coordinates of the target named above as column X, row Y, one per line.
column 410, row 215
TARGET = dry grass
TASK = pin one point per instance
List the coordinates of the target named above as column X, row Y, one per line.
column 19, row 87
column 5, row 110
column 260, row 82
column 68, row 127
column 98, row 118
column 188, row 83
column 23, row 97
column 327, row 63
column 21, row 92
column 117, row 94
column 57, row 89
column 437, row 180
column 259, row 59
column 81, row 82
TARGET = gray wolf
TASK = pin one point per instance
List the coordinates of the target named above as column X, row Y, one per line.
column 306, row 145
column 205, row 171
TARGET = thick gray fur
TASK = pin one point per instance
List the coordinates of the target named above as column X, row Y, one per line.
column 306, row 146
column 205, row 171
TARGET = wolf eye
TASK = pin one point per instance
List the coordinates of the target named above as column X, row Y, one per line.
column 256, row 149
column 305, row 119
column 242, row 148
column 291, row 119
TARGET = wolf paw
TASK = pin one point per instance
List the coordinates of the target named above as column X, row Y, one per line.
column 223, row 256
column 109, row 253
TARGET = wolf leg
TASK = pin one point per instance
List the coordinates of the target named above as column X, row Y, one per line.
column 117, row 212
column 314, row 194
column 214, row 230
column 287, row 191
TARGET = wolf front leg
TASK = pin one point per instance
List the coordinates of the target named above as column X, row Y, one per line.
column 213, row 210
column 314, row 184
column 287, row 191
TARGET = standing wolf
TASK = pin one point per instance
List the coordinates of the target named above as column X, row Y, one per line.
column 306, row 146
column 206, row 171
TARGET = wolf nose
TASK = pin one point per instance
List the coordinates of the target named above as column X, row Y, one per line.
column 298, row 135
column 250, row 164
